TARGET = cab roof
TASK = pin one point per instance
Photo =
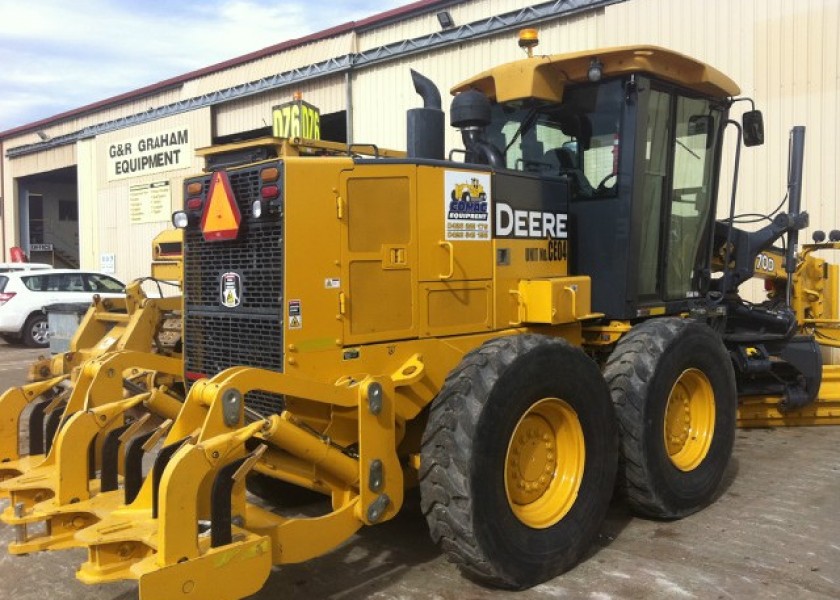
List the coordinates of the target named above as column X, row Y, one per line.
column 544, row 77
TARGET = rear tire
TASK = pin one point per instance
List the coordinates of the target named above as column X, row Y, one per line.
column 35, row 332
column 673, row 387
column 518, row 460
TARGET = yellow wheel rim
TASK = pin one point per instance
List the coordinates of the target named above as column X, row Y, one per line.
column 689, row 420
column 544, row 463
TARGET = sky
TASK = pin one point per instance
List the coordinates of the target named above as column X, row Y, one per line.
column 57, row 55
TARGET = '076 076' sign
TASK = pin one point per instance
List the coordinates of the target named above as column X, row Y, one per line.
column 296, row 119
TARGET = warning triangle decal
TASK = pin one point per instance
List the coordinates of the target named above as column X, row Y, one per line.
column 221, row 217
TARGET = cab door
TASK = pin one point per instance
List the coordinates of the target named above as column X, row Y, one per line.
column 676, row 203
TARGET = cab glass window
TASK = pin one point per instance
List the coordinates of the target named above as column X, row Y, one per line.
column 696, row 129
column 676, row 199
column 577, row 139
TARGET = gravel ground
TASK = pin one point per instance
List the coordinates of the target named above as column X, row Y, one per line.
column 772, row 533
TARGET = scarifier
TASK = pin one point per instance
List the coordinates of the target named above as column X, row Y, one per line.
column 120, row 347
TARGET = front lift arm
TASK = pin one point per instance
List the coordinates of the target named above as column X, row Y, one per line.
column 741, row 248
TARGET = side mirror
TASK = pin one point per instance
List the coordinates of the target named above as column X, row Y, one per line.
column 753, row 124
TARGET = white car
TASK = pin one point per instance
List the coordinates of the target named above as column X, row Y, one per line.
column 24, row 294
column 22, row 266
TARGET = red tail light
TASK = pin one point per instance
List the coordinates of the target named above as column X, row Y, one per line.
column 270, row 192
column 5, row 297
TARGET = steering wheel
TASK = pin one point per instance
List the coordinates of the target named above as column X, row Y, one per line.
column 602, row 186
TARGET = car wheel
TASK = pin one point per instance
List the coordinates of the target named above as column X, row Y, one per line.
column 36, row 331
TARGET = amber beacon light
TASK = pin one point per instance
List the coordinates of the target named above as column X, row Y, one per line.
column 529, row 39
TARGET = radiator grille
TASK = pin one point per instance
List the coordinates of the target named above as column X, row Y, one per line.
column 217, row 337
column 256, row 256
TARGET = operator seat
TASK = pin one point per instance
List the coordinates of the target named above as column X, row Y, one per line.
column 568, row 166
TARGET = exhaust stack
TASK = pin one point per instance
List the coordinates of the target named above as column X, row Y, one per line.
column 425, row 125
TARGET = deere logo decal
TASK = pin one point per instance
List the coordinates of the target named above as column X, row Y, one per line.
column 231, row 290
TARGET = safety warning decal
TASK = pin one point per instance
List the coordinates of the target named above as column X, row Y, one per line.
column 467, row 204
column 295, row 317
column 231, row 290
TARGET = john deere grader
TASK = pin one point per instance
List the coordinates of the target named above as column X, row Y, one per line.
column 512, row 328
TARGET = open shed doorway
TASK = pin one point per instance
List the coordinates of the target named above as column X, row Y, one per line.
column 49, row 217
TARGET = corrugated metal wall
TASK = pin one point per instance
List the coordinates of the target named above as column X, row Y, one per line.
column 88, row 190
column 48, row 160
column 104, row 115
column 328, row 94
column 104, row 204
column 294, row 58
column 388, row 88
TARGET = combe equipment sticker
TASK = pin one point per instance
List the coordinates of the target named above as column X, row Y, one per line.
column 467, row 204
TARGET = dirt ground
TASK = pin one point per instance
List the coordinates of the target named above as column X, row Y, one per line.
column 774, row 532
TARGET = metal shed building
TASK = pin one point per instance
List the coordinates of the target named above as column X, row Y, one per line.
column 92, row 186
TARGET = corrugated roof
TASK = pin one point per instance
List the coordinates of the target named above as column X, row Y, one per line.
column 377, row 20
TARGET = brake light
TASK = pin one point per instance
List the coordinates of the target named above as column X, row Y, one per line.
column 5, row 297
column 270, row 192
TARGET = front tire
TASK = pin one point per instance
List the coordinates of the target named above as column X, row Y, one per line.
column 35, row 331
column 673, row 387
column 518, row 460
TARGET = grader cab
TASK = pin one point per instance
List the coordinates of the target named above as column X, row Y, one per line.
column 353, row 325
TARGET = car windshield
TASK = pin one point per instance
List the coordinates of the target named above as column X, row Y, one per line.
column 578, row 138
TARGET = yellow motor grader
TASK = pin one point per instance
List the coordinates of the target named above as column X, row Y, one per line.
column 351, row 328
